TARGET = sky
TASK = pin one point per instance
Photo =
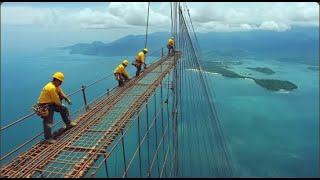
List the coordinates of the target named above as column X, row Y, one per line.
column 74, row 22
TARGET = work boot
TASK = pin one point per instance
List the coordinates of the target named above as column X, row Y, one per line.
column 71, row 124
column 50, row 141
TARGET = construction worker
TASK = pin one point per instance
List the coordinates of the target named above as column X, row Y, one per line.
column 140, row 60
column 121, row 74
column 50, row 100
column 170, row 45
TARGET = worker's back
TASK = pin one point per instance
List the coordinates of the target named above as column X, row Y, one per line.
column 171, row 42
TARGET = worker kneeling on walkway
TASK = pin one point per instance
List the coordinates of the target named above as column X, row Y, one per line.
column 121, row 74
column 140, row 59
column 50, row 100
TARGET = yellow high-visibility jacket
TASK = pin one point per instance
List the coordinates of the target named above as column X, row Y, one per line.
column 51, row 94
column 121, row 70
column 140, row 57
column 171, row 42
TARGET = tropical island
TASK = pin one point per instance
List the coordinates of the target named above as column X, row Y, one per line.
column 262, row 70
column 270, row 84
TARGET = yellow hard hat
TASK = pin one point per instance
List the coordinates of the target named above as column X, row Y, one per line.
column 59, row 76
column 125, row 62
column 145, row 49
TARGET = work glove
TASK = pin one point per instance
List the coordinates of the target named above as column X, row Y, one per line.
column 68, row 101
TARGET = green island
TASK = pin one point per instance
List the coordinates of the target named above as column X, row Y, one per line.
column 262, row 70
column 270, row 84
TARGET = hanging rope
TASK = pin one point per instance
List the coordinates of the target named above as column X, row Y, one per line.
column 145, row 44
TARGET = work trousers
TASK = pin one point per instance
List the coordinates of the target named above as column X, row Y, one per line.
column 48, row 121
column 170, row 48
column 121, row 79
column 138, row 65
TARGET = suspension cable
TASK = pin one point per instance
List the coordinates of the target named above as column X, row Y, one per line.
column 145, row 44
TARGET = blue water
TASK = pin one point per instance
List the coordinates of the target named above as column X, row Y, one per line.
column 271, row 134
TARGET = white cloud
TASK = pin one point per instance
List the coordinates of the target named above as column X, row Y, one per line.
column 206, row 17
column 272, row 16
column 271, row 25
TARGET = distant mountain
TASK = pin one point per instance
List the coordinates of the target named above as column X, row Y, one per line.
column 296, row 45
column 128, row 45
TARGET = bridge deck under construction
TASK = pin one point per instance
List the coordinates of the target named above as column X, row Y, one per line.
column 78, row 148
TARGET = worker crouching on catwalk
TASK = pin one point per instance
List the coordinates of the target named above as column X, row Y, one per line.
column 121, row 74
column 50, row 100
column 140, row 59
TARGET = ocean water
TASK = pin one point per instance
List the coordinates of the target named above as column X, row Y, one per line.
column 24, row 74
column 271, row 134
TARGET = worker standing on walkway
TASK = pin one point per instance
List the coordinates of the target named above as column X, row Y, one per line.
column 50, row 100
column 121, row 74
column 140, row 59
column 170, row 45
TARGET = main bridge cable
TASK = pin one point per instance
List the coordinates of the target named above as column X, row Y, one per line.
column 201, row 81
column 196, row 108
column 146, row 40
column 196, row 64
column 211, row 105
column 226, row 148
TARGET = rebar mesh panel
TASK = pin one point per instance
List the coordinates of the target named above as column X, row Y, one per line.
column 88, row 140
column 121, row 107
column 62, row 164
column 137, row 90
column 112, row 115
column 149, row 79
column 126, row 101
column 161, row 69
column 99, row 127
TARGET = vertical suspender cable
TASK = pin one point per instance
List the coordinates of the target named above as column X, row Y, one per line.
column 105, row 163
column 139, row 145
column 161, row 97
column 171, row 19
column 124, row 155
column 155, row 128
column 145, row 44
column 147, row 110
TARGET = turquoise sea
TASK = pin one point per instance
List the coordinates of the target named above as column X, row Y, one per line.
column 270, row 134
